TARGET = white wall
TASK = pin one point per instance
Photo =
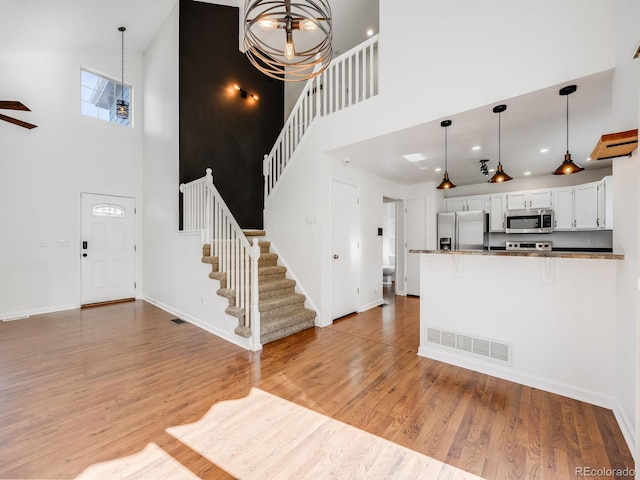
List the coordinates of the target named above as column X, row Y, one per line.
column 625, row 240
column 175, row 278
column 558, row 345
column 463, row 55
column 43, row 171
column 306, row 248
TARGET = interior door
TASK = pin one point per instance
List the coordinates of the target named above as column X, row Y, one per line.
column 416, row 239
column 107, row 248
column 345, row 243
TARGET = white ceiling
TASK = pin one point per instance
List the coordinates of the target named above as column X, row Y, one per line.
column 531, row 122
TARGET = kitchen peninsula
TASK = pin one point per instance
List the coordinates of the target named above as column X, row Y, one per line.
column 544, row 319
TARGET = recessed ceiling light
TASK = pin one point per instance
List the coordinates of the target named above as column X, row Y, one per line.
column 588, row 159
column 423, row 168
column 414, row 157
column 477, row 147
column 370, row 32
column 527, row 173
column 544, row 150
column 492, row 170
column 438, row 169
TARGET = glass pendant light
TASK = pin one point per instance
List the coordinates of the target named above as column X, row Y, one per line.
column 568, row 167
column 446, row 183
column 500, row 176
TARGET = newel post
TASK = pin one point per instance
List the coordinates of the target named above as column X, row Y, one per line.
column 208, row 209
column 255, row 299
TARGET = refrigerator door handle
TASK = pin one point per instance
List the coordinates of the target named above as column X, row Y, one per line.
column 456, row 232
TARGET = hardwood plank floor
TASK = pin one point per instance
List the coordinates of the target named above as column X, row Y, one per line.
column 86, row 386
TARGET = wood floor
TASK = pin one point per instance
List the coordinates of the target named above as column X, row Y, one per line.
column 87, row 386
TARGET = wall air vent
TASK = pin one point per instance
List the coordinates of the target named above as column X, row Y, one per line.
column 477, row 346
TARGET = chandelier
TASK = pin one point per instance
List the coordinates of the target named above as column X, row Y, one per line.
column 288, row 40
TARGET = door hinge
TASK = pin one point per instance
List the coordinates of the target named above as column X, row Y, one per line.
column 358, row 291
column 135, row 248
column 358, row 200
column 135, row 210
column 135, row 285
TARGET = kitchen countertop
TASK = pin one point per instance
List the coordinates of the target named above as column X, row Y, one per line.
column 519, row 253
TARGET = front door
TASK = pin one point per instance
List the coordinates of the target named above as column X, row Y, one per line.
column 107, row 248
column 345, row 243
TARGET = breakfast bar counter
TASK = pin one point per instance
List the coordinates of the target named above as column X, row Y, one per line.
column 513, row 253
column 544, row 319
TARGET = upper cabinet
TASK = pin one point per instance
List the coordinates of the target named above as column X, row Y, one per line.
column 465, row 204
column 582, row 207
column 497, row 204
column 529, row 199
column 563, row 208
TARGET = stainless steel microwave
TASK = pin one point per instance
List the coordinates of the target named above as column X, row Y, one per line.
column 529, row 221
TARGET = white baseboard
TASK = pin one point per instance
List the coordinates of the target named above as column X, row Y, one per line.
column 628, row 428
column 371, row 305
column 489, row 368
column 24, row 314
column 235, row 339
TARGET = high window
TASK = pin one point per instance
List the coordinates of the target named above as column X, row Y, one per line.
column 98, row 96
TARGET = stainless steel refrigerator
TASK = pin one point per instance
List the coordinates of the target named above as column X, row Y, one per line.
column 463, row 230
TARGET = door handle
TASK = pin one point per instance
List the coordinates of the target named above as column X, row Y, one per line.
column 335, row 257
column 84, row 245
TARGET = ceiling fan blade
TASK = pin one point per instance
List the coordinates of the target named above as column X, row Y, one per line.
column 15, row 121
column 13, row 105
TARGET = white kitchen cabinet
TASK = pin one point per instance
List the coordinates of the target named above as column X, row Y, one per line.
column 585, row 206
column 529, row 199
column 478, row 202
column 455, row 204
column 563, row 208
column 497, row 205
column 465, row 204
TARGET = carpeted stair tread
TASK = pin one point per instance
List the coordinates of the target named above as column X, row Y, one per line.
column 229, row 293
column 286, row 325
column 237, row 312
column 209, row 259
column 276, row 284
column 265, row 246
column 284, row 321
column 268, row 260
column 267, row 272
column 278, row 302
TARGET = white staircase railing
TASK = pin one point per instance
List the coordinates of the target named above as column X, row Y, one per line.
column 350, row 79
column 205, row 210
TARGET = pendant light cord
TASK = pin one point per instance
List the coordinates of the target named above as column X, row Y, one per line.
column 567, row 123
column 122, row 57
column 499, row 135
column 446, row 142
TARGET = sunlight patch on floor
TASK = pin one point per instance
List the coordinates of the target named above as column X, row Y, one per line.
column 151, row 463
column 262, row 436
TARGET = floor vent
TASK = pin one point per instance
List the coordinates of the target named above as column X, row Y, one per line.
column 484, row 347
column 383, row 305
column 177, row 321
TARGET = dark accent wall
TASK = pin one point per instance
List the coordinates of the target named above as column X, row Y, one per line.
column 218, row 128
